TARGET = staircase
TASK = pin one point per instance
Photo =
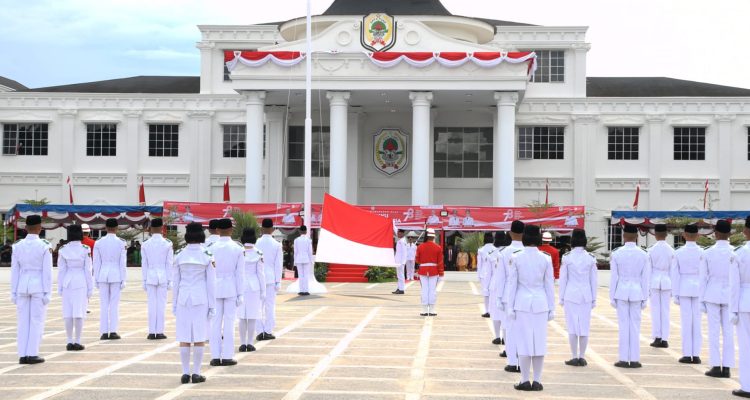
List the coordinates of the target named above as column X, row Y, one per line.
column 346, row 273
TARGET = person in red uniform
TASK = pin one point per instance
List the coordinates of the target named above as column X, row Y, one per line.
column 87, row 240
column 553, row 253
column 431, row 269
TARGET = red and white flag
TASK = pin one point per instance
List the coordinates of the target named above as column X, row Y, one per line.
column 352, row 236
column 546, row 193
column 637, row 195
column 141, row 193
column 70, row 190
column 705, row 195
column 226, row 191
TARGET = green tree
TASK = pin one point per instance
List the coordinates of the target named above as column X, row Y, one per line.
column 244, row 220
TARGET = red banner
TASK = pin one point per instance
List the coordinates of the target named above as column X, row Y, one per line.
column 284, row 215
column 556, row 218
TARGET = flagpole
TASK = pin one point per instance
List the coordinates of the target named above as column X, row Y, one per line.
column 308, row 121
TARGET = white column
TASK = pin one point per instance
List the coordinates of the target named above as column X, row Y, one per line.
column 352, row 178
column 584, row 164
column 503, row 153
column 132, row 147
column 200, row 176
column 656, row 137
column 725, row 160
column 256, row 101
column 339, row 102
column 420, row 165
column 274, row 162
column 67, row 130
column 207, row 71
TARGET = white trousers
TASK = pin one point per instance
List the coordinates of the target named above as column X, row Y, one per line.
column 660, row 300
column 410, row 270
column 268, row 322
column 511, row 347
column 629, row 321
column 429, row 289
column 157, row 303
column 303, row 272
column 222, row 329
column 401, row 277
column 109, row 306
column 719, row 325
column 31, row 312
column 743, row 339
column 690, row 326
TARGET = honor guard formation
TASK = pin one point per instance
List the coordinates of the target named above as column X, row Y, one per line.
column 216, row 281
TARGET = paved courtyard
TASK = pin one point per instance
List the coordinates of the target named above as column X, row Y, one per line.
column 357, row 342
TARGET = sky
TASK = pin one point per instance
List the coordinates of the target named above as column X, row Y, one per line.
column 55, row 42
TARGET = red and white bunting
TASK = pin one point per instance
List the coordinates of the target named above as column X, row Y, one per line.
column 260, row 58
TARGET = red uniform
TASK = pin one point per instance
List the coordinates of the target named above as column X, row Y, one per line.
column 430, row 259
column 555, row 254
column 88, row 241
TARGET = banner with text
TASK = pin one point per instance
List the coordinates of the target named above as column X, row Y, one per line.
column 284, row 215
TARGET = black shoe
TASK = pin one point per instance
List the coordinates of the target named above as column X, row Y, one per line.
column 622, row 364
column 656, row 343
column 497, row 341
column 78, row 347
column 22, row 360
column 250, row 348
column 160, row 336
column 685, row 360
column 537, row 387
column 198, row 378
column 114, row 336
column 664, row 344
column 582, row 362
column 105, row 336
column 486, row 315
column 265, row 336
column 423, row 314
column 635, row 364
column 433, row 315
column 523, row 386
column 725, row 372
column 304, row 294
column 502, row 341
column 270, row 336
column 215, row 362
column 398, row 291
column 512, row 368
column 34, row 360
column 714, row 372
column 70, row 347
column 741, row 393
column 696, row 360
column 242, row 348
column 227, row 363
column 185, row 379
column 503, row 354
column 151, row 336
column 88, row 311
column 573, row 362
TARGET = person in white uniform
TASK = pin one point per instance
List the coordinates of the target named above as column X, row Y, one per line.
column 213, row 236
column 686, row 293
column 516, row 235
column 255, row 290
column 493, row 288
column 193, row 300
column 229, row 257
column 660, row 258
column 400, row 257
column 272, row 268
column 75, row 284
column 739, row 307
column 531, row 304
column 303, row 260
column 110, row 273
column 628, row 293
column 578, row 283
column 157, row 258
column 411, row 255
column 714, row 294
column 30, row 289
column 485, row 264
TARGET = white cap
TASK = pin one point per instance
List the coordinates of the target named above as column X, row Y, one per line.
column 430, row 232
column 86, row 228
column 546, row 237
column 411, row 234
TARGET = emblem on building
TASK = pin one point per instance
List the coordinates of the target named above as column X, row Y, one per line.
column 390, row 154
column 378, row 32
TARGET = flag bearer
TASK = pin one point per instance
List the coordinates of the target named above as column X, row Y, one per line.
column 303, row 260
column 686, row 291
column 660, row 257
column 516, row 234
column 110, row 273
column 156, row 266
column 272, row 269
column 485, row 264
column 74, row 284
column 739, row 282
column 497, row 315
column 255, row 291
column 400, row 256
column 229, row 257
column 431, row 269
column 411, row 254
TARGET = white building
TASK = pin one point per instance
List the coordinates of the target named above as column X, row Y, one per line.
column 475, row 135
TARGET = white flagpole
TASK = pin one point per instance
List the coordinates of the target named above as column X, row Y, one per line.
column 308, row 121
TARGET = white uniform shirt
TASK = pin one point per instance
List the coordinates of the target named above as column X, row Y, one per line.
column 273, row 258
column 468, row 221
column 157, row 258
column 411, row 251
column 211, row 239
column 714, row 273
column 739, row 280
column 303, row 253
column 400, row 255
column 629, row 270
column 486, row 261
column 531, row 281
column 229, row 258
column 74, row 267
column 578, row 277
column 254, row 275
column 110, row 259
column 686, row 270
column 454, row 220
column 660, row 255
column 501, row 273
column 31, row 266
column 194, row 277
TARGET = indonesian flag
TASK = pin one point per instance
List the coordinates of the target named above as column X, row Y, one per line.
column 352, row 236
column 637, row 195
column 705, row 195
column 226, row 191
column 141, row 193
column 70, row 190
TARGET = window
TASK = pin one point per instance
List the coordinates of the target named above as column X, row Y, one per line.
column 25, row 139
column 235, row 141
column 678, row 241
column 689, row 143
column 550, row 66
column 321, row 151
column 622, row 143
column 463, row 153
column 614, row 236
column 541, row 143
column 101, row 140
column 163, row 140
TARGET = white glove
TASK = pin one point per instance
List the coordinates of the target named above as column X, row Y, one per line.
column 643, row 305
column 13, row 298
column 735, row 318
column 45, row 299
column 613, row 303
column 240, row 300
column 211, row 312
column 704, row 310
column 512, row 315
column 122, row 285
column 550, row 316
column 278, row 286
column 170, row 285
column 676, row 300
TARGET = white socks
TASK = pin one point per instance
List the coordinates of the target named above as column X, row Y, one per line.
column 487, row 304
column 185, row 359
column 78, row 326
column 197, row 359
column 425, row 309
column 525, row 364
column 247, row 329
column 573, row 340
column 496, row 325
column 584, row 340
column 69, row 329
column 538, row 362
column 243, row 331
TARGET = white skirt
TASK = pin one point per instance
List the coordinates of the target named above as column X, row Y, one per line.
column 494, row 309
column 578, row 318
column 192, row 323
column 74, row 303
column 251, row 308
column 530, row 333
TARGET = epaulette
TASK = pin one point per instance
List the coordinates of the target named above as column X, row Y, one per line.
column 517, row 251
column 178, row 251
column 259, row 252
column 210, row 244
column 45, row 241
column 738, row 247
column 85, row 246
column 208, row 253
column 168, row 241
column 544, row 252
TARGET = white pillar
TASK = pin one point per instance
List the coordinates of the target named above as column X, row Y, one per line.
column 207, row 70
column 725, row 161
column 584, row 163
column 352, row 178
column 256, row 101
column 421, row 147
column 503, row 154
column 656, row 137
column 339, row 102
column 200, row 176
column 274, row 163
column 132, row 145
column 67, row 129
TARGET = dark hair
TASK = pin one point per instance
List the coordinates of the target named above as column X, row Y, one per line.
column 194, row 233
column 500, row 238
column 531, row 236
column 578, row 238
column 213, row 224
column 111, row 223
column 488, row 238
column 248, row 236
column 75, row 233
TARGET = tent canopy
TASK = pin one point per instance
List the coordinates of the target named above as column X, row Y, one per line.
column 57, row 215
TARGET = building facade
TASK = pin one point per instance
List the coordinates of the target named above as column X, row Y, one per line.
column 469, row 134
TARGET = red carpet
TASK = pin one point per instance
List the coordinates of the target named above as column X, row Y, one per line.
column 346, row 273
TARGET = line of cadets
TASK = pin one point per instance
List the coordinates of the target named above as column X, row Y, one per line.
column 216, row 280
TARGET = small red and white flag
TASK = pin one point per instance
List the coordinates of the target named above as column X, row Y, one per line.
column 546, row 193
column 637, row 195
column 70, row 191
column 141, row 193
column 352, row 236
column 705, row 195
column 226, row 191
